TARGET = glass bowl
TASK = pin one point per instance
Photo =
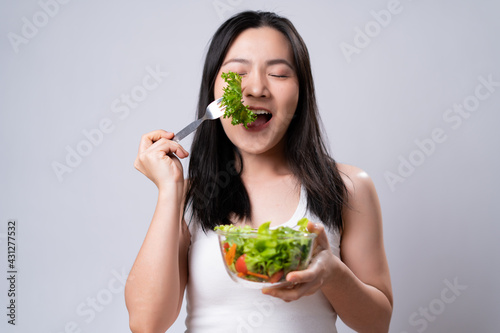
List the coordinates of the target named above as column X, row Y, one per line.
column 257, row 260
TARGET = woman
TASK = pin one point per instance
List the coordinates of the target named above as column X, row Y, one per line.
column 276, row 170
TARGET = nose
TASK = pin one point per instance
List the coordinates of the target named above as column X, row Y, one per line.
column 254, row 85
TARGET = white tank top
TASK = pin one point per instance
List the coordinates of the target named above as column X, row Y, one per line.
column 217, row 304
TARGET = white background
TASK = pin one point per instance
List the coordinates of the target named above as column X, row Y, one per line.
column 78, row 235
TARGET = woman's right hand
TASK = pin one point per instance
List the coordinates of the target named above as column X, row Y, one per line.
column 156, row 159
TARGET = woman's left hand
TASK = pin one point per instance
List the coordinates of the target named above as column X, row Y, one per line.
column 320, row 270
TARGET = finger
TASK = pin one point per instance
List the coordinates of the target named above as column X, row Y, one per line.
column 292, row 293
column 321, row 241
column 314, row 271
column 303, row 276
column 168, row 147
column 150, row 138
column 305, row 289
column 162, row 149
column 309, row 274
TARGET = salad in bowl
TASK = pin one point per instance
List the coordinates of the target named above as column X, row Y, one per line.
column 261, row 258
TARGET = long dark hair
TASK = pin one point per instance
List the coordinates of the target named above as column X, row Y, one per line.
column 215, row 190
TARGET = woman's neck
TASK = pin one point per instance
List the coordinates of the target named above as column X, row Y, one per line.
column 262, row 167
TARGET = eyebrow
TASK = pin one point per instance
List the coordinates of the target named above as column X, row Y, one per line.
column 268, row 63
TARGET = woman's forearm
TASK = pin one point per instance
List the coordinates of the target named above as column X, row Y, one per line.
column 156, row 282
column 362, row 307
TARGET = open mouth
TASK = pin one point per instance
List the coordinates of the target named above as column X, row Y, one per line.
column 263, row 117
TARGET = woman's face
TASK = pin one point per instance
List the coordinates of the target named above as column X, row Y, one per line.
column 264, row 58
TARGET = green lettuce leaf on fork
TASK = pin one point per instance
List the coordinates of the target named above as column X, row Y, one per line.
column 232, row 100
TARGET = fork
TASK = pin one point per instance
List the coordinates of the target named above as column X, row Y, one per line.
column 214, row 111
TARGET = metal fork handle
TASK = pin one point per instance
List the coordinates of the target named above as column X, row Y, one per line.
column 188, row 129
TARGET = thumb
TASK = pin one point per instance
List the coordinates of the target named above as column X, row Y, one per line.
column 321, row 241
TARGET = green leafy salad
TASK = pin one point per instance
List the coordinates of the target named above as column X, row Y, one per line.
column 232, row 100
column 266, row 255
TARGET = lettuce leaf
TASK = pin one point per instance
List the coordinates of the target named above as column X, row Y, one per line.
column 232, row 100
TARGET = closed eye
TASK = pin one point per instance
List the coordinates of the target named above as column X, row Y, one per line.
column 278, row 76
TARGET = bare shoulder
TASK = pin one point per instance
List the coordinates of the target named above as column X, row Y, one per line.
column 358, row 183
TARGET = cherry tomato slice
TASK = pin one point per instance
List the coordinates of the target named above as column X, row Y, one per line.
column 240, row 265
column 276, row 277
